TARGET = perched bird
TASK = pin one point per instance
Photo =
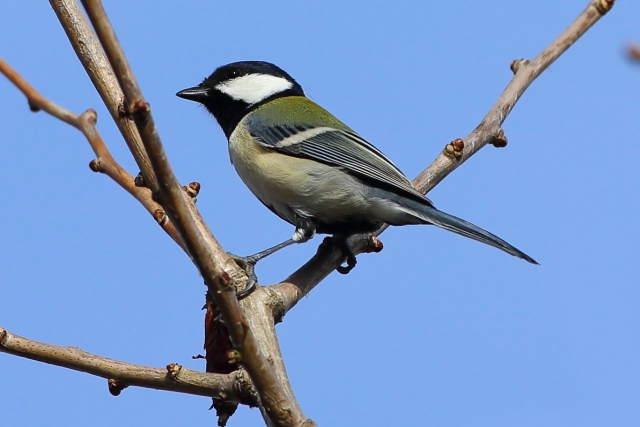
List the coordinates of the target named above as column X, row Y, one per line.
column 308, row 167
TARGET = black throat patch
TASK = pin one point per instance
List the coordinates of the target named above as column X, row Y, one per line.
column 229, row 112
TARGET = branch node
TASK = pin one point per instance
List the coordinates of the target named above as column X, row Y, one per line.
column 140, row 109
column 192, row 189
column 116, row 386
column 94, row 165
column 500, row 140
column 160, row 216
column 277, row 305
column 246, row 391
column 516, row 64
column 90, row 115
column 603, row 6
column 139, row 181
column 453, row 150
column 173, row 369
column 33, row 107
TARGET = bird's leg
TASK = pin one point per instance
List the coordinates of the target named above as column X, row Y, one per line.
column 248, row 264
column 305, row 229
column 341, row 242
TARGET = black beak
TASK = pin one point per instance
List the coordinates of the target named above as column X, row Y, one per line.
column 197, row 94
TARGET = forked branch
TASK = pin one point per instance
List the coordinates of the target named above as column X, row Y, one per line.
column 94, row 60
column 203, row 248
column 233, row 387
column 279, row 405
column 86, row 123
column 252, row 330
column 489, row 131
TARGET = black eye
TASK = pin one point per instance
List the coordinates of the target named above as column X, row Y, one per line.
column 233, row 73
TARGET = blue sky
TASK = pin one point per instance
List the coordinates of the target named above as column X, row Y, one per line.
column 436, row 329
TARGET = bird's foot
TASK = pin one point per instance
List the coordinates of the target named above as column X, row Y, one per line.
column 341, row 242
column 248, row 264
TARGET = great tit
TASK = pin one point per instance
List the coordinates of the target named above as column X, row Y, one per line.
column 308, row 167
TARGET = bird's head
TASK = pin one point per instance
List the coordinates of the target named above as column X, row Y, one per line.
column 235, row 89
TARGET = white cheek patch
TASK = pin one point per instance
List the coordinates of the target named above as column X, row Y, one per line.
column 253, row 88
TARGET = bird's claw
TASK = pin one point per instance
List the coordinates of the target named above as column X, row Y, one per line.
column 351, row 263
column 247, row 264
column 351, row 258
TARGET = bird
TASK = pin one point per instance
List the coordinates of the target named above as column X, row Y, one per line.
column 311, row 169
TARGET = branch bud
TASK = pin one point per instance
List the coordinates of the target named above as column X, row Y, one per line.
column 138, row 181
column 94, row 165
column 116, row 386
column 603, row 6
column 173, row 369
column 33, row 107
column 160, row 216
column 192, row 189
column 140, row 109
column 516, row 64
column 454, row 149
column 500, row 140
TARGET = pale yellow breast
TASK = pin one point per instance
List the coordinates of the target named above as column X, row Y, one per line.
column 271, row 176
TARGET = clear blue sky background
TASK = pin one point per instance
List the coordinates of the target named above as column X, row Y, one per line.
column 436, row 330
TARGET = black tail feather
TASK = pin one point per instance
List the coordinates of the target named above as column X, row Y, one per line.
column 465, row 228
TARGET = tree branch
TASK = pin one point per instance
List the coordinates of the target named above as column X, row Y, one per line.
column 93, row 59
column 489, row 131
column 104, row 162
column 260, row 313
column 233, row 387
column 203, row 248
column 253, row 333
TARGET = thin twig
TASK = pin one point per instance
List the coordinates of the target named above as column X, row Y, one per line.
column 104, row 161
column 205, row 252
column 489, row 131
column 302, row 281
column 92, row 56
column 233, row 387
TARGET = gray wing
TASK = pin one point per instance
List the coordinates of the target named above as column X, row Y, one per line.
column 336, row 147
